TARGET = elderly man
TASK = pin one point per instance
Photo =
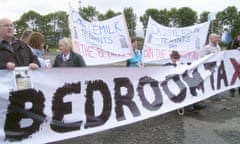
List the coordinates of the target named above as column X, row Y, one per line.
column 14, row 52
column 212, row 46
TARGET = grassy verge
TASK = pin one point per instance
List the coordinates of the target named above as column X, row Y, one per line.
column 52, row 49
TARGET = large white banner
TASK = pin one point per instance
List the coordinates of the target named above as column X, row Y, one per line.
column 47, row 105
column 161, row 40
column 100, row 42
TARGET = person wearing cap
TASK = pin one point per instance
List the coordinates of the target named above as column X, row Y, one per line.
column 174, row 57
column 235, row 44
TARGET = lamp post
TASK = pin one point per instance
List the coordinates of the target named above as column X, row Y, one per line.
column 79, row 2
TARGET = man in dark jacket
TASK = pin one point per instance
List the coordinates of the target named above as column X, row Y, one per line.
column 14, row 52
column 235, row 44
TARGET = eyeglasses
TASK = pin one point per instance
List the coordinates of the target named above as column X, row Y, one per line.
column 7, row 25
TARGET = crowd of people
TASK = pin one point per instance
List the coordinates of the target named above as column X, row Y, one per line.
column 211, row 47
column 14, row 52
column 29, row 50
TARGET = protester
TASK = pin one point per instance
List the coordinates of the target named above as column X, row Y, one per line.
column 36, row 43
column 14, row 52
column 68, row 58
column 175, row 57
column 211, row 48
column 25, row 36
column 137, row 59
column 235, row 44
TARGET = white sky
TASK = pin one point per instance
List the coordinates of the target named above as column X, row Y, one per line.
column 13, row 9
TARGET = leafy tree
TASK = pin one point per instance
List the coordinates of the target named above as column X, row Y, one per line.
column 47, row 25
column 236, row 26
column 131, row 18
column 186, row 17
column 109, row 14
column 173, row 17
column 204, row 16
column 28, row 21
column 164, row 17
column 32, row 19
column 144, row 20
column 215, row 24
column 154, row 13
column 89, row 13
column 20, row 27
column 226, row 19
column 55, row 27
column 62, row 23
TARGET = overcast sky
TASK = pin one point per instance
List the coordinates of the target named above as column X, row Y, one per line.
column 15, row 8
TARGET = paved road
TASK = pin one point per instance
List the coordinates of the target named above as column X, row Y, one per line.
column 218, row 124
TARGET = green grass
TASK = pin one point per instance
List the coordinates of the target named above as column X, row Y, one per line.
column 52, row 49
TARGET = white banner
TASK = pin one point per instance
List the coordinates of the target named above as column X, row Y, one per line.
column 161, row 40
column 100, row 42
column 61, row 103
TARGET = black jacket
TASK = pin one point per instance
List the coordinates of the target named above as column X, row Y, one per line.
column 75, row 60
column 234, row 44
column 18, row 53
column 170, row 64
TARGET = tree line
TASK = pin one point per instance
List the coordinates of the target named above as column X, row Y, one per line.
column 55, row 25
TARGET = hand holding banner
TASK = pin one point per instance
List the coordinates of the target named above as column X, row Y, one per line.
column 84, row 103
column 161, row 40
column 100, row 42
